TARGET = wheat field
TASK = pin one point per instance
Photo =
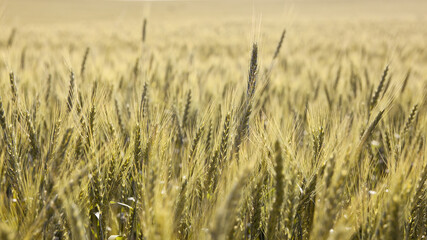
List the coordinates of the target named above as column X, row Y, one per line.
column 213, row 120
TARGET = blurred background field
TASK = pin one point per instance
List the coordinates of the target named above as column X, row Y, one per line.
column 59, row 11
column 211, row 30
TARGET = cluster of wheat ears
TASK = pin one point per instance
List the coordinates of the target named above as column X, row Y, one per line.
column 168, row 152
